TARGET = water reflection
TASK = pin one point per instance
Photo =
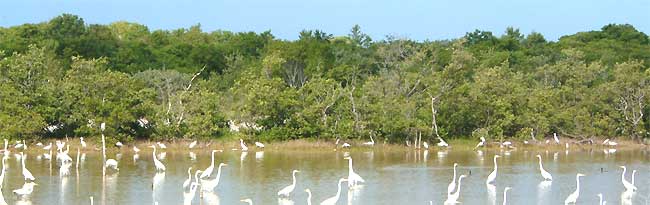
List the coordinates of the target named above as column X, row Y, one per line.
column 492, row 194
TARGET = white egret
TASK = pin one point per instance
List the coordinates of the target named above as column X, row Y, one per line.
column 243, row 145
column 442, row 143
column 119, row 144
column 633, row 173
column 102, row 126
column 161, row 145
column 209, row 185
column 27, row 189
column 493, row 176
column 335, row 198
column 425, row 145
column 547, row 176
column 60, row 145
column 608, row 142
column 628, row 186
column 189, row 196
column 353, row 177
column 556, row 138
column 26, row 174
column 192, row 145
column 19, row 145
column 453, row 198
column 259, row 145
column 506, row 144
column 64, row 170
column 208, row 171
column 452, row 185
column 159, row 165
column 505, row 195
column 573, row 197
column 481, row 143
column 83, row 143
column 111, row 163
column 249, row 201
column 48, row 147
column 286, row 191
column 189, row 178
column 91, row 201
column 345, row 145
column 371, row 143
column 308, row 196
column 136, row 149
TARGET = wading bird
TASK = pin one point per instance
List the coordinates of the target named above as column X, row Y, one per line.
column 189, row 178
column 452, row 185
column 442, row 143
column 453, row 198
column 286, row 191
column 249, row 201
column 353, row 177
column 83, row 143
column 335, row 198
column 259, row 145
column 481, row 143
column 308, row 196
column 208, row 171
column 371, row 143
column 136, row 149
column 26, row 173
column 27, row 189
column 159, row 165
column 209, row 185
column 493, row 176
column 161, row 145
column 547, row 176
column 193, row 144
column 600, row 199
column 628, row 186
column 243, row 145
column 573, row 197
column 111, row 163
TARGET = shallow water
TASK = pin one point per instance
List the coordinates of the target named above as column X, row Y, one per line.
column 392, row 177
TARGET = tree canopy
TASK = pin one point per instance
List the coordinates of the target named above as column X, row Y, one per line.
column 64, row 77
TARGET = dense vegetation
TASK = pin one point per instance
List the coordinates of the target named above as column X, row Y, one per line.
column 64, row 77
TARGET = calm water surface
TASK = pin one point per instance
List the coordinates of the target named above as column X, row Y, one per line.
column 392, row 177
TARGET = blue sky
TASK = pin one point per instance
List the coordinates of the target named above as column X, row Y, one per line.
column 418, row 19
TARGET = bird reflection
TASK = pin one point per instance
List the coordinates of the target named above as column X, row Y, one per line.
column 492, row 194
column 543, row 189
column 211, row 198
column 354, row 193
column 626, row 197
column 285, row 201
column 259, row 155
column 192, row 156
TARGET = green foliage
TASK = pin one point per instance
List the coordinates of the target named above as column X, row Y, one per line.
column 188, row 83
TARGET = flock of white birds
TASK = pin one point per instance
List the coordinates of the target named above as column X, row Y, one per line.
column 208, row 181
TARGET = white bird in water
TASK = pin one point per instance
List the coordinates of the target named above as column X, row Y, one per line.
column 335, row 198
column 481, row 143
column 425, row 145
column 259, row 145
column 442, row 143
column 209, row 185
column 40, row 144
column 189, row 196
column 26, row 173
column 119, row 144
column 27, row 189
column 193, row 144
column 189, row 178
column 83, row 143
column 547, row 176
column 633, row 173
column 353, row 177
column 628, row 186
column 453, row 198
column 249, row 201
column 452, row 186
column 505, row 195
column 573, row 197
column 371, row 143
column 19, row 144
column 243, row 145
column 161, row 145
column 208, row 171
column 111, row 163
column 159, row 165
column 556, row 138
column 102, row 126
column 136, row 149
column 609, row 143
column 493, row 176
column 286, row 191
column 60, row 145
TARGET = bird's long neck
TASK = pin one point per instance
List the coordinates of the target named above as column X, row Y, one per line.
column 219, row 176
column 578, row 185
column 22, row 161
column 308, row 198
column 633, row 172
column 350, row 165
column 505, row 197
column 372, row 140
column 458, row 189
column 454, row 179
column 540, row 163
column 154, row 153
column 495, row 164
column 212, row 163
column 338, row 192
column 294, row 177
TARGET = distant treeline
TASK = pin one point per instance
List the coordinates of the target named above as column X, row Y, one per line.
column 64, row 77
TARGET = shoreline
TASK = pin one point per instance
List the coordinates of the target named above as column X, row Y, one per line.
column 326, row 145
